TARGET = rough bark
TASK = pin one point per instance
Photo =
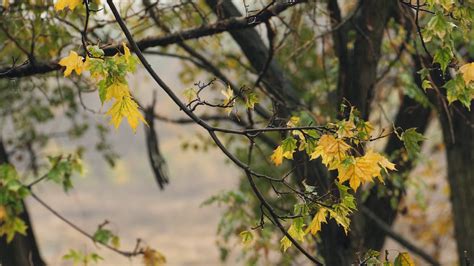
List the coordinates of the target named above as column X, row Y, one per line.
column 23, row 250
column 460, row 154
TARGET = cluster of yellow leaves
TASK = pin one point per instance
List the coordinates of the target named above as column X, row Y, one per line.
column 332, row 151
column 363, row 169
column 123, row 105
column 358, row 170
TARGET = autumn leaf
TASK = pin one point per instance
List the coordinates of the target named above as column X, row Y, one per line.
column 404, row 259
column 295, row 231
column 285, row 150
column 117, row 91
column 357, row 171
column 285, row 243
column 152, row 257
column 383, row 162
column 318, row 220
column 71, row 4
column 467, row 71
column 331, row 150
column 277, row 156
column 125, row 107
column 363, row 169
column 72, row 62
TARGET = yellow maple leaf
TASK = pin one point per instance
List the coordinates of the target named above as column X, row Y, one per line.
column 126, row 52
column 229, row 99
column 285, row 243
column 358, row 171
column 318, row 220
column 383, row 162
column 331, row 150
column 117, row 91
column 125, row 107
column 72, row 62
column 277, row 156
column 467, row 71
column 71, row 4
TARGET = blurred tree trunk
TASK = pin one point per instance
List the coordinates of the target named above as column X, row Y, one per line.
column 357, row 78
column 22, row 250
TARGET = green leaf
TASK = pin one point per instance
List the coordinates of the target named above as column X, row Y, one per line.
column 457, row 90
column 102, row 85
column 443, row 57
column 251, row 98
column 289, row 146
column 103, row 235
column 411, row 140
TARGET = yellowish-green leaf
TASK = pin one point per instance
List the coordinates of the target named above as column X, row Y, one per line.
column 404, row 259
column 341, row 215
column 117, row 91
column 293, row 122
column 346, row 129
column 229, row 99
column 126, row 107
column 285, row 243
column 190, row 94
column 246, row 237
column 72, row 62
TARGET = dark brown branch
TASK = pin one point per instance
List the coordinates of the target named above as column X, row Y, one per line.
column 194, row 33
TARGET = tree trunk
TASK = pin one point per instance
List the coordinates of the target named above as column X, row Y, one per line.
column 460, row 156
column 22, row 250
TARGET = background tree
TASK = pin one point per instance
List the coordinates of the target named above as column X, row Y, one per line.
column 300, row 82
